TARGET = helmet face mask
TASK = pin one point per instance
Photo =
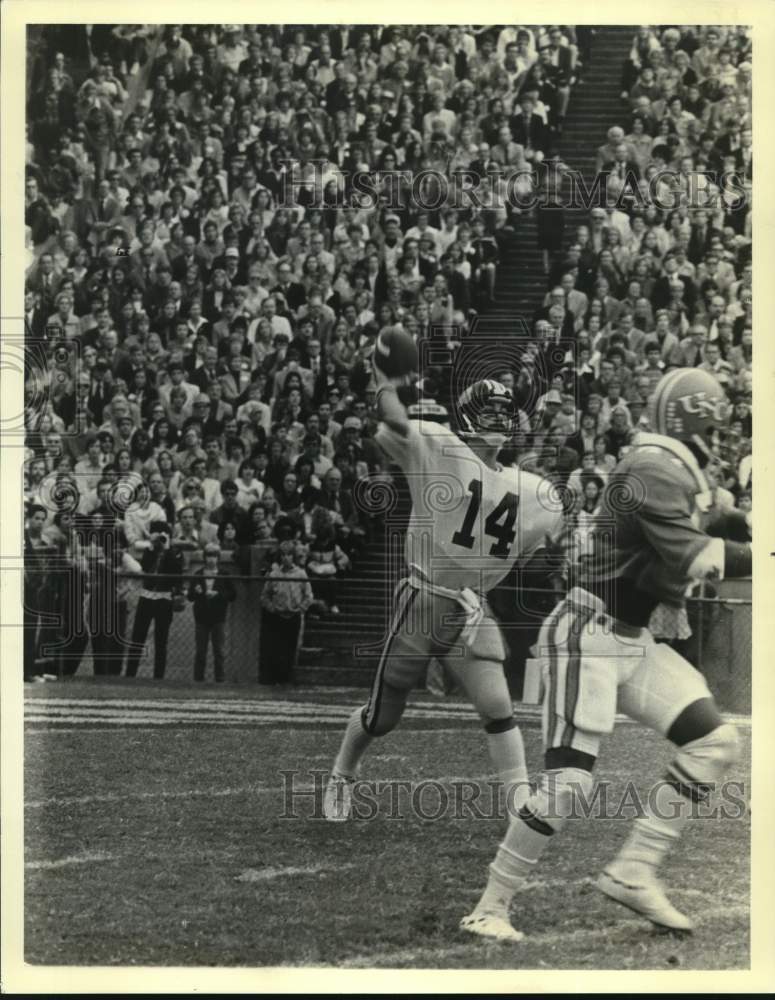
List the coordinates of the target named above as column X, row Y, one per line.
column 497, row 416
column 487, row 412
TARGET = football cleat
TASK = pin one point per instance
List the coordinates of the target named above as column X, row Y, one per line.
column 647, row 898
column 490, row 925
column 337, row 801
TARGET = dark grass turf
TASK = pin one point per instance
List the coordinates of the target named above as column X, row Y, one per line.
column 182, row 826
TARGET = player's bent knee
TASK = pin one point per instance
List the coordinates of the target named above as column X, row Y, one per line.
column 486, row 686
column 561, row 795
column 494, row 710
column 701, row 763
column 699, row 718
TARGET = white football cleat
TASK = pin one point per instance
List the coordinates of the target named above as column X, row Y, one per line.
column 338, row 798
column 648, row 898
column 490, row 925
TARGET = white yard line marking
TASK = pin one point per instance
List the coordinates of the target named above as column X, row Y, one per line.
column 174, row 717
column 111, row 706
column 196, row 707
column 44, row 726
column 422, row 955
column 326, row 757
column 238, row 704
column 268, row 874
column 317, row 711
column 247, row 705
column 257, row 789
column 76, row 859
column 65, row 713
column 192, row 704
column 44, row 730
column 189, row 793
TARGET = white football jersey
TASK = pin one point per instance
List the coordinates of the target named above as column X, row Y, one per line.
column 469, row 523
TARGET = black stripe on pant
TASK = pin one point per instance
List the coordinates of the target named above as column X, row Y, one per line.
column 403, row 604
column 573, row 671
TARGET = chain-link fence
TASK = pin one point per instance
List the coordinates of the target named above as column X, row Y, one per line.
column 721, row 645
column 330, row 648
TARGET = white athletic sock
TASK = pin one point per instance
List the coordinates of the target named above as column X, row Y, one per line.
column 515, row 861
column 691, row 775
column 507, row 752
column 653, row 835
column 354, row 744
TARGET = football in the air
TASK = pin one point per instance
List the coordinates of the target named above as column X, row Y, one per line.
column 395, row 352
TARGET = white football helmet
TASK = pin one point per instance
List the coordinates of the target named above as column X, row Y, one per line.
column 486, row 410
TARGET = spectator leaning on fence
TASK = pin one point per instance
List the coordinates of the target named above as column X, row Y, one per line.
column 286, row 596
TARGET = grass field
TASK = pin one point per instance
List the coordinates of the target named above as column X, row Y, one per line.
column 154, row 837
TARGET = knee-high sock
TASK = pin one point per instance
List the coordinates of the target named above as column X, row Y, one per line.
column 545, row 812
column 689, row 779
column 653, row 834
column 515, row 861
column 507, row 752
column 353, row 746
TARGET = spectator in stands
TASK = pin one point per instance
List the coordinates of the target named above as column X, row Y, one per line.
column 247, row 306
column 229, row 509
column 138, row 519
column 326, row 562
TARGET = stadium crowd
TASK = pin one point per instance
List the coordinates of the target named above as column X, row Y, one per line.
column 221, row 219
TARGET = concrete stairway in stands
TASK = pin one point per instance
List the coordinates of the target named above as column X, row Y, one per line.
column 595, row 106
column 344, row 649
column 328, row 649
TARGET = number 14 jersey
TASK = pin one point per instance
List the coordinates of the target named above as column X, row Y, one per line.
column 469, row 523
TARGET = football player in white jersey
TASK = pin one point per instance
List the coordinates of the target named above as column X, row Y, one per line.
column 471, row 519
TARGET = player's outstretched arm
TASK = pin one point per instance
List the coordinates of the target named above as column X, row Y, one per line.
column 722, row 558
column 389, row 407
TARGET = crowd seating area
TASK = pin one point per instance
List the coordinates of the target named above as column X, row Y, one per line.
column 221, row 219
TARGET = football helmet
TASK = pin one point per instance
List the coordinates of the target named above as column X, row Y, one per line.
column 487, row 410
column 689, row 404
column 429, row 411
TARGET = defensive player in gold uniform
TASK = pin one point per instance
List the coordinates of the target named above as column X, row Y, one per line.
column 471, row 519
column 599, row 656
